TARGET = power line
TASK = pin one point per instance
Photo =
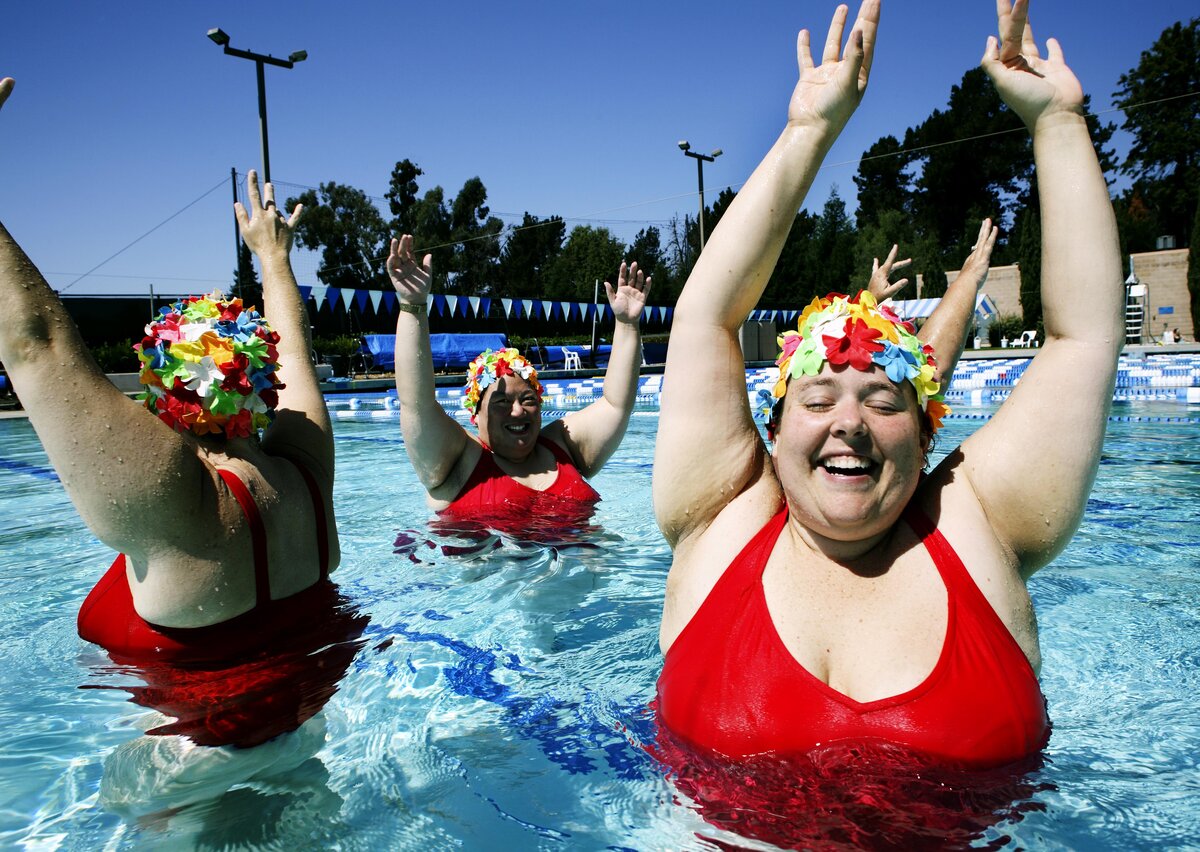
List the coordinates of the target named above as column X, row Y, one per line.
column 217, row 186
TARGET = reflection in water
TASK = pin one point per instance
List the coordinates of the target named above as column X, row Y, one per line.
column 213, row 726
column 861, row 795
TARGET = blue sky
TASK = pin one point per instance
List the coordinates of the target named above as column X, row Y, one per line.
column 125, row 113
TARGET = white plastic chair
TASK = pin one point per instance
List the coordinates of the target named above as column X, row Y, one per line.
column 1027, row 338
column 571, row 360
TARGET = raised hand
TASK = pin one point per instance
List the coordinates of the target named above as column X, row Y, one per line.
column 6, row 87
column 879, row 286
column 1033, row 87
column 980, row 259
column 264, row 228
column 412, row 280
column 827, row 94
column 628, row 298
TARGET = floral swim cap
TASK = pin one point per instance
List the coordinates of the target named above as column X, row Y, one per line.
column 858, row 332
column 209, row 367
column 488, row 367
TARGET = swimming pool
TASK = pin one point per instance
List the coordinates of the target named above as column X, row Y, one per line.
column 500, row 699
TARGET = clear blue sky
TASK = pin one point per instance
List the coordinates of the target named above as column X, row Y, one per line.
column 124, row 113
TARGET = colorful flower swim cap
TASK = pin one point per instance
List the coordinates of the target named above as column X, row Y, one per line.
column 488, row 367
column 858, row 332
column 209, row 367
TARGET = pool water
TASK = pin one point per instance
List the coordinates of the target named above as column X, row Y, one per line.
column 500, row 700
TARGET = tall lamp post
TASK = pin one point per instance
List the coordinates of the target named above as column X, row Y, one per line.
column 221, row 38
column 700, row 159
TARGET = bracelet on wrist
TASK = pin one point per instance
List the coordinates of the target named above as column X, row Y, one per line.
column 409, row 308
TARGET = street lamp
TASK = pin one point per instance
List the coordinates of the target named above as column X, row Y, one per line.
column 701, row 159
column 221, row 39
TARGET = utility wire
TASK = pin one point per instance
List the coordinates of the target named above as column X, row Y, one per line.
column 218, row 185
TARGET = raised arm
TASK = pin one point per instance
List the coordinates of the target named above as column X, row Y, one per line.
column 708, row 449
column 1033, row 464
column 433, row 439
column 947, row 327
column 302, row 427
column 108, row 451
column 593, row 434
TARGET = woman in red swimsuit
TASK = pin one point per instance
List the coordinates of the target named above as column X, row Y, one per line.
column 226, row 538
column 827, row 594
column 515, row 470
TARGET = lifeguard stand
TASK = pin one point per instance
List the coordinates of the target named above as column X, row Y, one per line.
column 1136, row 298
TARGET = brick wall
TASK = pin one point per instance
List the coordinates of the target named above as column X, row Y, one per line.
column 1165, row 275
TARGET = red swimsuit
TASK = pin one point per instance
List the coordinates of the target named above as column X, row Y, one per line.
column 245, row 680
column 731, row 686
column 492, row 497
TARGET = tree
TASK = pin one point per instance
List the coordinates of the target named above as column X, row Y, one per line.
column 791, row 283
column 1164, row 158
column 1193, row 275
column 245, row 278
column 590, row 254
column 528, row 253
column 402, row 196
column 883, row 182
column 647, row 251
column 476, row 237
column 347, row 228
column 1029, row 261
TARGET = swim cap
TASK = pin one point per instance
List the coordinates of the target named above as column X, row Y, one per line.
column 488, row 367
column 209, row 367
column 858, row 332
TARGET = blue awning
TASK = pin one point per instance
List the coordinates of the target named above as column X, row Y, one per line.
column 912, row 309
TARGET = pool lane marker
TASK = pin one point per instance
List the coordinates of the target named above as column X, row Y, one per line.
column 34, row 470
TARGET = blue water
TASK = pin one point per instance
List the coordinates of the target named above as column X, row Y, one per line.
column 499, row 701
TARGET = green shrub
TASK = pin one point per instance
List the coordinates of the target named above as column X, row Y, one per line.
column 116, row 357
column 1005, row 325
column 341, row 345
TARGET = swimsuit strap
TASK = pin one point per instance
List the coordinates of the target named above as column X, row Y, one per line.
column 258, row 536
column 319, row 511
column 560, row 455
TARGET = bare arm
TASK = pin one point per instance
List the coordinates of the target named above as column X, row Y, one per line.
column 118, row 463
column 302, row 427
column 708, row 449
column 947, row 327
column 433, row 439
column 594, row 433
column 1033, row 464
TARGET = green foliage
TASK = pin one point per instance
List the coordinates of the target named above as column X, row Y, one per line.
column 245, row 279
column 1029, row 259
column 341, row 345
column 116, row 357
column 884, row 187
column 1005, row 326
column 347, row 228
column 1164, row 158
column 528, row 254
column 1193, row 275
column 590, row 254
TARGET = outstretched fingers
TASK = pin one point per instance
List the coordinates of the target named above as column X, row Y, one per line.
column 868, row 26
column 833, row 39
column 252, row 190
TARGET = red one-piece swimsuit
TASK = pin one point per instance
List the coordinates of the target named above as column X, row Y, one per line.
column 243, row 681
column 729, row 684
column 492, row 497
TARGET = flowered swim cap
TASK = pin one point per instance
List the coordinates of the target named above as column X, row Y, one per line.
column 488, row 367
column 858, row 332
column 209, row 367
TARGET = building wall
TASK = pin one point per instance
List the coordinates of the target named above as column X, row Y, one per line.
column 1003, row 287
column 1165, row 275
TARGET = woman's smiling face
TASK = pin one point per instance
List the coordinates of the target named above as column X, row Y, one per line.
column 510, row 417
column 849, row 451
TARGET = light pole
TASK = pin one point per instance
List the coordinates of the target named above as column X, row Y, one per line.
column 220, row 38
column 701, row 159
